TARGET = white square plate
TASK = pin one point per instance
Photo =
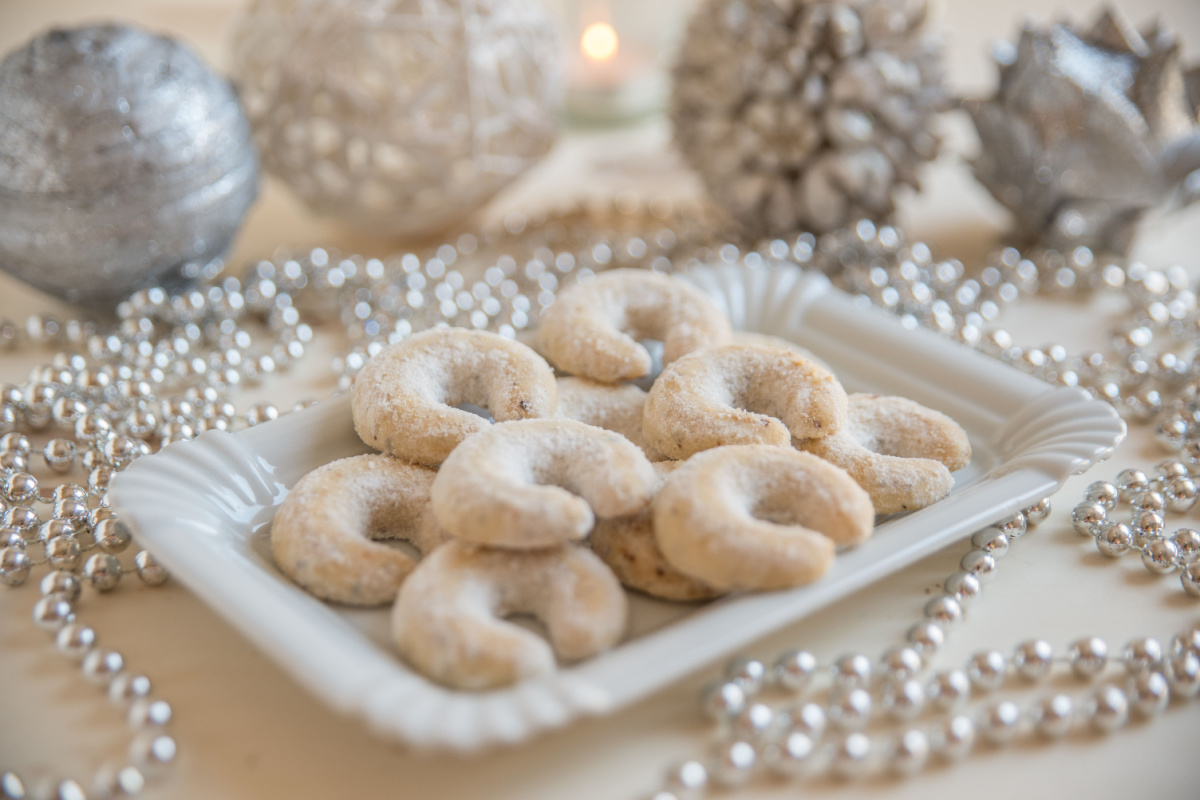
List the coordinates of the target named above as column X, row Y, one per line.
column 204, row 509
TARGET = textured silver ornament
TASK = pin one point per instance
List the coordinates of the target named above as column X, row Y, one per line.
column 803, row 115
column 1089, row 131
column 124, row 161
column 399, row 115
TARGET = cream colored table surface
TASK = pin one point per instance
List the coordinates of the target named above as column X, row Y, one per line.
column 246, row 730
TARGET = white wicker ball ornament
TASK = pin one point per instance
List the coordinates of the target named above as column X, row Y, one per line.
column 401, row 116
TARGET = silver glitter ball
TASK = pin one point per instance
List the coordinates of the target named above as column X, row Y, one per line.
column 128, row 162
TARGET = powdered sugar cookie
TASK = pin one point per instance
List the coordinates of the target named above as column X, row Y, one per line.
column 901, row 452
column 593, row 328
column 629, row 547
column 322, row 534
column 537, row 483
column 449, row 623
column 758, row 517
column 740, row 394
column 404, row 398
column 614, row 407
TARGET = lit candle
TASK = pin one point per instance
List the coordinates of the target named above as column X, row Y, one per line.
column 612, row 77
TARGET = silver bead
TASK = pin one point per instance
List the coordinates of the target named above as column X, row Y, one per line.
column 1115, row 539
column 1001, row 722
column 687, row 780
column 101, row 666
column 1013, row 526
column 1149, row 693
column 910, row 752
column 63, row 552
column 1159, row 556
column 851, row 671
column 756, row 723
column 1146, row 525
column 903, row 698
column 794, row 669
column 103, row 571
column 1038, row 512
column 1052, row 716
column 748, row 673
column 1187, row 543
column 926, row 637
column 125, row 688
column 963, row 587
column 1130, row 482
column 112, row 535
column 1149, row 500
column 944, row 610
column 901, row 662
column 61, row 582
column 55, row 529
column 11, row 786
column 1171, row 468
column 260, row 413
column 1088, row 656
column 116, row 781
column 850, row 708
column 1183, row 673
column 1033, row 659
column 59, row 455
column 17, row 442
column 149, row 570
column 1108, row 708
column 723, row 700
column 794, row 757
column 979, row 564
column 991, row 541
column 22, row 519
column 950, row 690
column 1180, row 494
column 731, row 763
column 14, row 566
column 68, row 491
column 52, row 613
column 147, row 713
column 1189, row 578
column 152, row 751
column 851, row 756
column 1102, row 493
column 12, row 461
column 955, row 739
column 987, row 670
column 1142, row 655
column 1088, row 518
column 19, row 487
column 75, row 641
column 1188, row 642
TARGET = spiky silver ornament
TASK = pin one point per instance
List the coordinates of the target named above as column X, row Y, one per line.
column 807, row 115
column 1089, row 131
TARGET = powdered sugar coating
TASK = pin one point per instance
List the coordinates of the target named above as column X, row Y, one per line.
column 741, row 394
column 614, row 407
column 538, row 483
column 767, row 340
column 758, row 516
column 630, row 548
column 592, row 329
column 449, row 623
column 321, row 537
column 901, row 452
column 404, row 397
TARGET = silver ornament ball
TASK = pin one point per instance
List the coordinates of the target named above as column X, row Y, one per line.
column 153, row 180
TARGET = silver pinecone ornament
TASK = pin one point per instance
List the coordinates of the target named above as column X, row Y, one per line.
column 807, row 115
column 1089, row 130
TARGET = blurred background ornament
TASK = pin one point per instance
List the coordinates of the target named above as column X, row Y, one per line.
column 402, row 116
column 803, row 115
column 124, row 161
column 1089, row 131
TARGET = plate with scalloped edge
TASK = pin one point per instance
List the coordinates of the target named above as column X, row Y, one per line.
column 204, row 509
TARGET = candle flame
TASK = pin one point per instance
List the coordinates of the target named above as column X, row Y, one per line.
column 599, row 41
